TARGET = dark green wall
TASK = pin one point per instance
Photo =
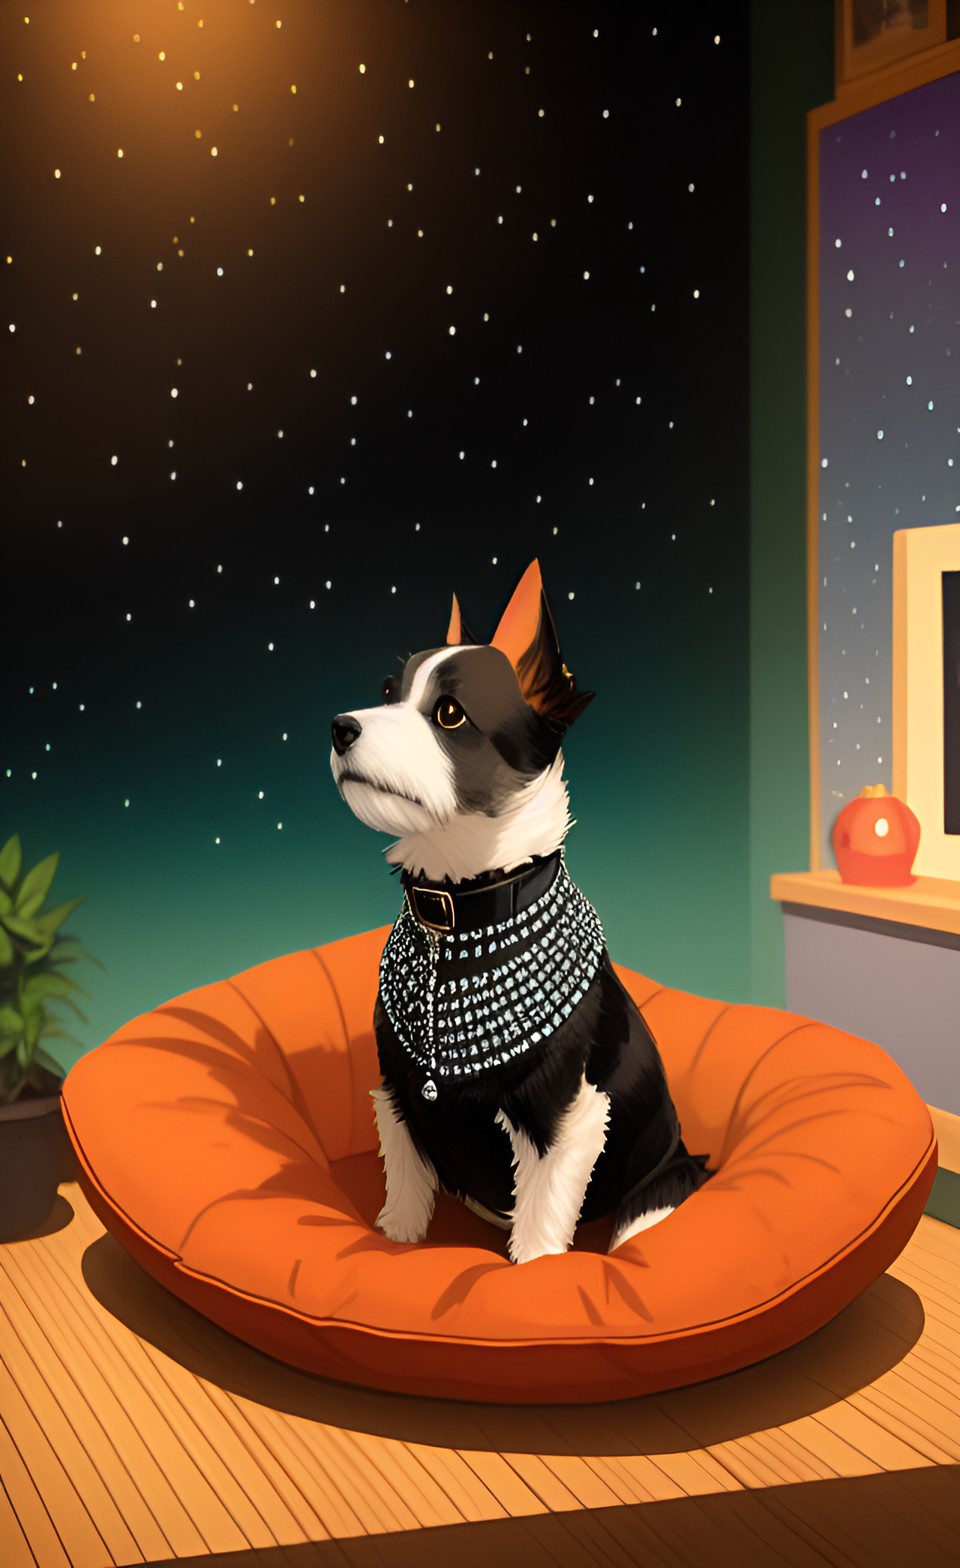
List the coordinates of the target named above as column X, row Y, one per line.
column 791, row 71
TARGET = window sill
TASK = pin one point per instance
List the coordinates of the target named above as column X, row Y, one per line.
column 930, row 902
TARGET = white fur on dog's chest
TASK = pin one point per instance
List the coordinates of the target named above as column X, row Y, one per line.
column 534, row 823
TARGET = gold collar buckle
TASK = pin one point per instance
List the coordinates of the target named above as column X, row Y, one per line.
column 432, row 906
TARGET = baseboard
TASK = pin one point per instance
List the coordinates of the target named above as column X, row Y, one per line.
column 944, row 1200
column 947, row 1127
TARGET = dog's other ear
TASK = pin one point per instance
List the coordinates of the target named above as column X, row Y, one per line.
column 528, row 637
column 458, row 633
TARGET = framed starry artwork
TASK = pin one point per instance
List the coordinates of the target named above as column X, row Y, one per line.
column 872, row 34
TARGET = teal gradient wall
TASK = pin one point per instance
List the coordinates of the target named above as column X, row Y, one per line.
column 658, row 777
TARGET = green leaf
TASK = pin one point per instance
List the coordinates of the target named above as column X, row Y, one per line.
column 61, row 954
column 8, row 1045
column 11, row 859
column 6, row 902
column 54, row 918
column 45, row 1059
column 43, row 985
column 25, row 929
column 35, row 1022
column 33, row 955
column 11, row 1022
column 24, row 1051
column 6, row 950
column 66, row 1001
column 36, row 883
column 56, row 1031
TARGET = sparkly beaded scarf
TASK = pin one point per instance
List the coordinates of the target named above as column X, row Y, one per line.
column 464, row 1001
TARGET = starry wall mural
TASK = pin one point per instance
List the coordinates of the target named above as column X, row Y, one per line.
column 315, row 312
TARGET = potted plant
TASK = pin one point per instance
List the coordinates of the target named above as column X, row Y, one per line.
column 34, row 1153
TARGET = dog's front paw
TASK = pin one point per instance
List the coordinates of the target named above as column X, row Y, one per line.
column 397, row 1226
column 526, row 1251
column 410, row 1177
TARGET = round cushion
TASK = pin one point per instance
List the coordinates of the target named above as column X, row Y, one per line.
column 227, row 1139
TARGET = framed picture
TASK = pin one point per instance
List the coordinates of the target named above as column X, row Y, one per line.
column 872, row 34
column 926, row 690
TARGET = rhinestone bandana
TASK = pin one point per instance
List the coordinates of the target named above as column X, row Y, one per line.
column 464, row 1001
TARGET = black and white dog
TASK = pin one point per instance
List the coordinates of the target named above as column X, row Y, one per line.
column 517, row 1072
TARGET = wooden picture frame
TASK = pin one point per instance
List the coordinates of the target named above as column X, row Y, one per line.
column 921, row 557
column 874, row 34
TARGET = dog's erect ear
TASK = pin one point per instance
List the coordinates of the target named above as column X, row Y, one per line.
column 458, row 632
column 528, row 637
column 456, row 622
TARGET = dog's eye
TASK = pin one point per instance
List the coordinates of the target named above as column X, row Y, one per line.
column 391, row 689
column 449, row 714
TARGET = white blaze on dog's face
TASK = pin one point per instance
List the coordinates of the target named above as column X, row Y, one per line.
column 388, row 765
column 454, row 741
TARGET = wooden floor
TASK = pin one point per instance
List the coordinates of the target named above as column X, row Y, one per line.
column 131, row 1430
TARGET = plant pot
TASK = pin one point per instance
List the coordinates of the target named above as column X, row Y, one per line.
column 35, row 1157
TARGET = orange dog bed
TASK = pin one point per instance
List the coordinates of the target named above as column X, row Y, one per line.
column 227, row 1139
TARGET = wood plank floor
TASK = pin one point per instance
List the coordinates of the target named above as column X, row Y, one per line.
column 131, row 1430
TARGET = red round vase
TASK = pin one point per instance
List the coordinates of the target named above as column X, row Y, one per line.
column 875, row 839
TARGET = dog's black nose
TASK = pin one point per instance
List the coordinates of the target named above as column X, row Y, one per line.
column 345, row 731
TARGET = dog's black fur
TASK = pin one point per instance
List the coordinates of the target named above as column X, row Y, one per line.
column 607, row 1039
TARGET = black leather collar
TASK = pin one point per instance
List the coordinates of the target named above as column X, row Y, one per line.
column 464, row 906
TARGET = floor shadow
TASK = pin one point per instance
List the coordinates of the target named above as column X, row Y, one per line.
column 59, row 1218
column 881, row 1520
column 869, row 1337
